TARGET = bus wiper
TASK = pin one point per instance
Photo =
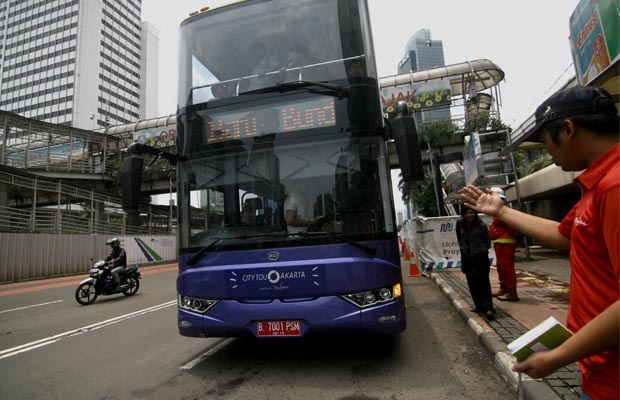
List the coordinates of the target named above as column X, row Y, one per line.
column 327, row 89
column 194, row 259
column 368, row 249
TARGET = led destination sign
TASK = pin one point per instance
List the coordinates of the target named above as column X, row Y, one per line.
column 317, row 113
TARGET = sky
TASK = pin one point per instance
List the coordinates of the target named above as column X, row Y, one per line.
column 527, row 39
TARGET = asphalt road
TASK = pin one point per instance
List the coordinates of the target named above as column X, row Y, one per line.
column 129, row 348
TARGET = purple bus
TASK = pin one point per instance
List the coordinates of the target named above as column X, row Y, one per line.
column 286, row 225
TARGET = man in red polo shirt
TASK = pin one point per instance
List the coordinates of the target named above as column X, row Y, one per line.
column 580, row 129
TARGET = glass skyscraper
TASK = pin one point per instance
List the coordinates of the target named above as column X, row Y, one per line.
column 80, row 63
column 422, row 52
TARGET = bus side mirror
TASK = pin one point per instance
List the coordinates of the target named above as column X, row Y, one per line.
column 405, row 137
column 132, row 181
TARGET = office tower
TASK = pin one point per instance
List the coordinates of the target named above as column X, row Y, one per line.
column 422, row 52
column 150, row 71
column 80, row 63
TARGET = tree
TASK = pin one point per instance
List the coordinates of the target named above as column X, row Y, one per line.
column 439, row 133
column 421, row 192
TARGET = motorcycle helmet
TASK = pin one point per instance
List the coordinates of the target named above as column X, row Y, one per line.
column 114, row 242
column 499, row 192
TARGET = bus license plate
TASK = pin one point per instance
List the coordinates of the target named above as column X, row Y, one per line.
column 279, row 328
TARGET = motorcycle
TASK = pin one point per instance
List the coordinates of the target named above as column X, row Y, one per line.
column 101, row 282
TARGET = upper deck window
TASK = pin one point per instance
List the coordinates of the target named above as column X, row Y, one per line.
column 250, row 45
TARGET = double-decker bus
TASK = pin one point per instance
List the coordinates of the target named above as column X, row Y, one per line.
column 286, row 224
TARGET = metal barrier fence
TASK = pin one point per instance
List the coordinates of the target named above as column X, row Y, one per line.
column 54, row 221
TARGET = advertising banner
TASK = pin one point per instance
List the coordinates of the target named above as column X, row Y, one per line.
column 144, row 249
column 595, row 42
column 418, row 96
column 163, row 136
column 435, row 243
column 54, row 153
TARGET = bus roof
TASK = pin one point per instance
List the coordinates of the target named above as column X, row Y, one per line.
column 208, row 8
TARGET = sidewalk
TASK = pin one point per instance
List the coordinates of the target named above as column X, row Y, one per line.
column 543, row 290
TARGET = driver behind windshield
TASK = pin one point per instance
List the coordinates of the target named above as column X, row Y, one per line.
column 249, row 213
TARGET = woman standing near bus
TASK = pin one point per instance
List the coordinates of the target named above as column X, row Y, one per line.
column 475, row 242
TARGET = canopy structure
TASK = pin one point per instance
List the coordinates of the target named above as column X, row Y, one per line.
column 483, row 73
column 119, row 130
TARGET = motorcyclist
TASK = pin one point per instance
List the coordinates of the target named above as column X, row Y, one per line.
column 118, row 259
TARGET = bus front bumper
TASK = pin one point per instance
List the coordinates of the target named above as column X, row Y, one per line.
column 323, row 316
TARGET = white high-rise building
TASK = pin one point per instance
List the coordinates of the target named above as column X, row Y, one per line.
column 150, row 71
column 81, row 63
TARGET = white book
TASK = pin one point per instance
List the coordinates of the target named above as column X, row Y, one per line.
column 545, row 336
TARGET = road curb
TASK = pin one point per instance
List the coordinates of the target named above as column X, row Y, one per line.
column 531, row 389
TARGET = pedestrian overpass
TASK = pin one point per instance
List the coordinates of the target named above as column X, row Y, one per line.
column 60, row 179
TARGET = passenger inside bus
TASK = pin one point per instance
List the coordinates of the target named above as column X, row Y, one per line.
column 295, row 208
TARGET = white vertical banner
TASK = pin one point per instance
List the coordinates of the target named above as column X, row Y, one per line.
column 473, row 163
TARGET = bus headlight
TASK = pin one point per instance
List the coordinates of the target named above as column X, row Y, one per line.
column 374, row 297
column 385, row 293
column 193, row 304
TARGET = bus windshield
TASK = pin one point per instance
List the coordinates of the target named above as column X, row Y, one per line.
column 271, row 185
column 251, row 45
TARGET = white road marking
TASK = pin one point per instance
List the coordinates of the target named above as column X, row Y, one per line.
column 207, row 354
column 89, row 328
column 34, row 305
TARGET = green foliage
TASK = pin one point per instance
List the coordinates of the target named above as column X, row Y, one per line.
column 160, row 169
column 422, row 193
column 542, row 161
column 477, row 122
column 439, row 133
column 519, row 159
column 496, row 124
column 427, row 203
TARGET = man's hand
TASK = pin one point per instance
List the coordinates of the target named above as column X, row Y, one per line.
column 486, row 202
column 538, row 365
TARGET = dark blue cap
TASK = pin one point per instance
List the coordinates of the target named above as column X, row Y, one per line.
column 576, row 100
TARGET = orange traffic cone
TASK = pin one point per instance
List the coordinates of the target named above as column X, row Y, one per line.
column 414, row 270
column 406, row 251
column 413, row 267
